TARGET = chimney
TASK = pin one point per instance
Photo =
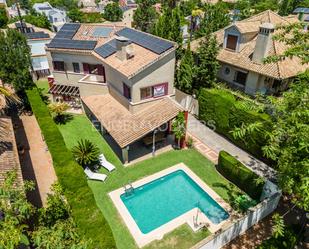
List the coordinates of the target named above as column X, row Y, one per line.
column 121, row 46
column 263, row 42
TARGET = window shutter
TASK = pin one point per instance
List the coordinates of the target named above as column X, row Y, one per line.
column 101, row 70
column 86, row 68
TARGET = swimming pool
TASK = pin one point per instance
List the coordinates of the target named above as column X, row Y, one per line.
column 165, row 198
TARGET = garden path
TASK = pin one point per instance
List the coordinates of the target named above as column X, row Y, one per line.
column 215, row 143
column 36, row 160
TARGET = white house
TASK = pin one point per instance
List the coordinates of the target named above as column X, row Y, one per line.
column 37, row 39
column 55, row 16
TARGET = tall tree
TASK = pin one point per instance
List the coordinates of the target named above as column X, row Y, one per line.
column 15, row 60
column 112, row 12
column 215, row 18
column 296, row 38
column 3, row 18
column 75, row 15
column 244, row 7
column 207, row 63
column 144, row 16
column 185, row 72
column 168, row 25
column 288, row 139
column 285, row 7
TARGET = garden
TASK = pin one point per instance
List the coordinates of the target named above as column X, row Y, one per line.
column 87, row 206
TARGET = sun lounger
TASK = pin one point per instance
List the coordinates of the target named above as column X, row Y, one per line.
column 106, row 164
column 94, row 176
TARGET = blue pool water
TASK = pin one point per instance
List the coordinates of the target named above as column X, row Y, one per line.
column 162, row 200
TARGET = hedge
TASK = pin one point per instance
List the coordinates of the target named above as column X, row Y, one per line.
column 89, row 219
column 240, row 175
column 222, row 107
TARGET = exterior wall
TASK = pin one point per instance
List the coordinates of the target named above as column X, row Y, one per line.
column 160, row 72
column 238, row 227
column 37, row 46
column 188, row 102
column 39, row 63
column 254, row 82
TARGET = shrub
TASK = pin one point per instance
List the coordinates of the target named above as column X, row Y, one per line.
column 85, row 152
column 89, row 219
column 240, row 175
column 227, row 112
column 287, row 241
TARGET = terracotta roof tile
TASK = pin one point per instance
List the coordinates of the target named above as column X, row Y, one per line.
column 9, row 159
column 126, row 127
column 287, row 68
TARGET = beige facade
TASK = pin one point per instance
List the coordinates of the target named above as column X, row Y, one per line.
column 158, row 72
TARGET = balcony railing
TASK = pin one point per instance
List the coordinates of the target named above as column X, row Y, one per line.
column 93, row 79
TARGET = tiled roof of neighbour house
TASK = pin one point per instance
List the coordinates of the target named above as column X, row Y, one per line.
column 286, row 68
column 9, row 159
column 126, row 127
column 147, row 48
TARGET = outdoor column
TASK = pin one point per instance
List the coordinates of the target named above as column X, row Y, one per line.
column 125, row 154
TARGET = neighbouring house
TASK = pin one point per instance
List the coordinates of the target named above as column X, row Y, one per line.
column 243, row 47
column 87, row 3
column 122, row 77
column 13, row 12
column 37, row 38
column 9, row 159
column 128, row 3
column 3, row 4
column 303, row 13
column 55, row 16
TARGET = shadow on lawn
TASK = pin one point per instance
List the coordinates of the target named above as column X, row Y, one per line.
column 63, row 118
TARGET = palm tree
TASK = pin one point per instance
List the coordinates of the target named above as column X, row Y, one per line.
column 179, row 127
column 85, row 152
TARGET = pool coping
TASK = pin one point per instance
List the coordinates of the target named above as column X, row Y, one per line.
column 142, row 239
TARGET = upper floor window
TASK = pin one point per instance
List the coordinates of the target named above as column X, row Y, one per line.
column 231, row 42
column 76, row 68
column 154, row 91
column 240, row 77
column 58, row 65
column 126, row 91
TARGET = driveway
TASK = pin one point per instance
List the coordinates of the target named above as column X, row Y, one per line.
column 217, row 143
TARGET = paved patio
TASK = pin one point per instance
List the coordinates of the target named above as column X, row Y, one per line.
column 212, row 143
column 36, row 160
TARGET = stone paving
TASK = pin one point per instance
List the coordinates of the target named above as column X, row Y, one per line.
column 213, row 143
column 36, row 160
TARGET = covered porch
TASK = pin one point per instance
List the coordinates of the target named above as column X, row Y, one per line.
column 133, row 136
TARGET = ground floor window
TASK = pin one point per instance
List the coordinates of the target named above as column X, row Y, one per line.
column 240, row 77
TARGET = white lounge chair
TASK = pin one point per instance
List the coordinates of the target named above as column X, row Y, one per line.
column 94, row 176
column 106, row 164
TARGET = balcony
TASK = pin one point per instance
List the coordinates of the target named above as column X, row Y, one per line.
column 92, row 79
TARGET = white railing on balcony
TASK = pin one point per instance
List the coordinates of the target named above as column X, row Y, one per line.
column 93, row 79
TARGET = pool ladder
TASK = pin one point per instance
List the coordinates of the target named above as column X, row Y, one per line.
column 128, row 189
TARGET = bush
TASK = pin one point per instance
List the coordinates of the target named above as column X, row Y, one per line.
column 240, row 175
column 89, row 219
column 222, row 107
column 287, row 241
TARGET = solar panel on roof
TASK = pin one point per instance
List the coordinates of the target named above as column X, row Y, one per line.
column 72, row 44
column 107, row 49
column 102, row 31
column 37, row 35
column 150, row 42
column 66, row 34
column 70, row 26
column 45, row 8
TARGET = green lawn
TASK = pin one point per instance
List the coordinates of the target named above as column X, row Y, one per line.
column 183, row 237
column 42, row 84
